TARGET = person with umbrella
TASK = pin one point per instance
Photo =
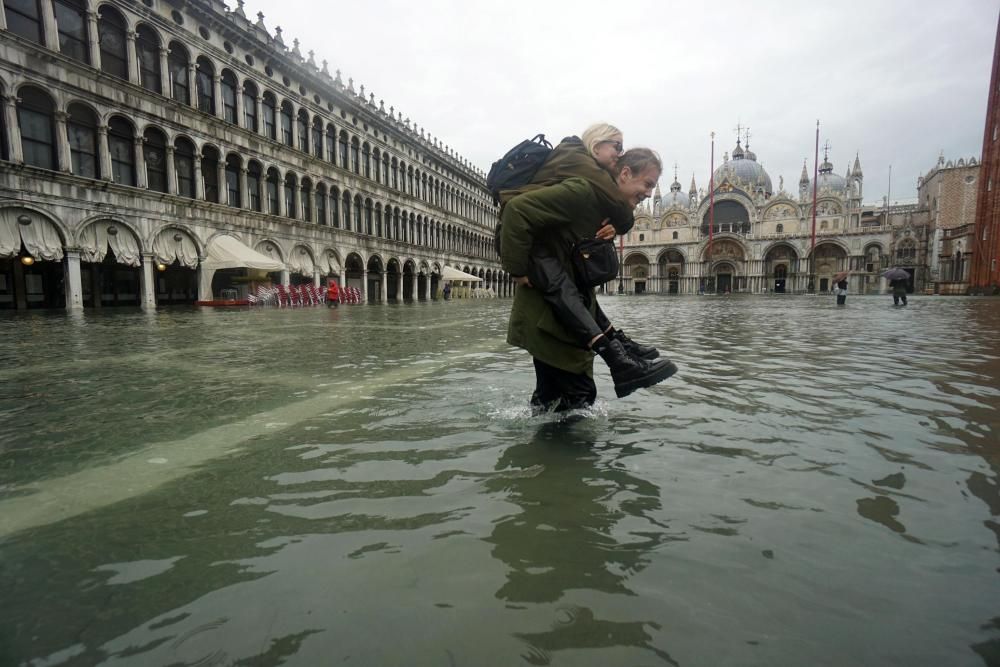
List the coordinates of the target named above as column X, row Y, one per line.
column 840, row 280
column 897, row 278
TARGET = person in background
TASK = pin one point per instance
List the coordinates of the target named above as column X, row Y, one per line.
column 898, row 291
column 332, row 294
column 446, row 291
column 842, row 291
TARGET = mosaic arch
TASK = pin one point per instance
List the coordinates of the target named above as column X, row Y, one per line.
column 781, row 264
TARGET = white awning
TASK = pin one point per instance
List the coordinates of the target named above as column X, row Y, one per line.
column 225, row 252
column 451, row 273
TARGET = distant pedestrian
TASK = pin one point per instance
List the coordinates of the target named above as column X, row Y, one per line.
column 332, row 294
column 446, row 292
column 898, row 291
column 842, row 291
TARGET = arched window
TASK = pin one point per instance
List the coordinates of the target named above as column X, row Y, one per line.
column 355, row 156
column 321, row 204
column 204, row 73
column 317, row 137
column 154, row 153
column 184, row 166
column 71, row 20
column 377, row 162
column 343, row 149
column 147, row 47
column 111, row 34
column 177, row 61
column 331, row 144
column 272, row 191
column 397, row 169
column 24, row 18
column 81, row 129
column 121, row 144
column 366, row 153
column 270, row 111
column 290, row 187
column 378, row 220
column 423, row 186
column 675, row 236
column 395, row 224
column 253, row 184
column 233, row 195
column 357, row 214
column 385, row 168
column 36, row 120
column 286, row 123
column 409, row 175
column 306, row 200
column 369, row 221
column 250, row 106
column 210, row 173
column 346, row 210
column 302, row 129
column 779, row 228
column 335, row 207
column 229, row 96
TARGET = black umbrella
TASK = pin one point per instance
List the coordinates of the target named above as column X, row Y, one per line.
column 896, row 274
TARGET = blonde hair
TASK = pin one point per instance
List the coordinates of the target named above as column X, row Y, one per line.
column 638, row 160
column 597, row 133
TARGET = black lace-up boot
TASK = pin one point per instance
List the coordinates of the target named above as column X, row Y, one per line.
column 628, row 372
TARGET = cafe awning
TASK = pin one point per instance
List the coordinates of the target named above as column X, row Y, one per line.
column 451, row 273
column 225, row 252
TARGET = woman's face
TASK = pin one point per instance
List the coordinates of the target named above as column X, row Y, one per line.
column 638, row 187
column 606, row 152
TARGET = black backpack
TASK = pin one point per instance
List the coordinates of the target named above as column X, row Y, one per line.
column 518, row 166
column 515, row 169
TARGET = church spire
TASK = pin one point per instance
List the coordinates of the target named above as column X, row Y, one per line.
column 805, row 174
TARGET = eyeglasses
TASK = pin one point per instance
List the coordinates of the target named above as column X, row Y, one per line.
column 617, row 146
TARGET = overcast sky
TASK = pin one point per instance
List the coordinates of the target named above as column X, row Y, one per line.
column 897, row 82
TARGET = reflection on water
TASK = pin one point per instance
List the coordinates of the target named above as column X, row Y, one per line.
column 367, row 486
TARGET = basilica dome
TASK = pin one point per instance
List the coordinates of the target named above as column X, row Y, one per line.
column 827, row 180
column 675, row 197
column 745, row 172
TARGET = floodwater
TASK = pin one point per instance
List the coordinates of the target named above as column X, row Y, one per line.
column 365, row 486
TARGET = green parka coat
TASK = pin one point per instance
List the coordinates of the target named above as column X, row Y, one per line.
column 557, row 215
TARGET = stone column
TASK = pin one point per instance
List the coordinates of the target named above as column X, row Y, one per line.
column 93, row 37
column 238, row 96
column 384, row 287
column 295, row 125
column 3, row 20
column 427, row 288
column 133, row 59
column 413, row 287
column 317, row 278
column 72, row 280
column 62, row 143
column 13, row 129
column 104, row 153
column 171, row 171
column 260, row 115
column 281, row 197
column 166, row 84
column 199, row 182
column 244, row 188
column 321, row 145
column 364, row 285
column 399, row 287
column 220, row 111
column 140, row 165
column 301, row 213
column 51, row 36
column 220, row 175
column 285, row 277
column 148, row 281
column 192, row 85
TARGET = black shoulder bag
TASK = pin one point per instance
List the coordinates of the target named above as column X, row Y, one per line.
column 595, row 261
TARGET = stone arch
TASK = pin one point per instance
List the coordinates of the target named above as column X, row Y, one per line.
column 271, row 248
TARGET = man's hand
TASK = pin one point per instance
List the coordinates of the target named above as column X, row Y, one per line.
column 606, row 232
column 522, row 281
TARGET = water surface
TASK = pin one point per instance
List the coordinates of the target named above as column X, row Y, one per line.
column 366, row 486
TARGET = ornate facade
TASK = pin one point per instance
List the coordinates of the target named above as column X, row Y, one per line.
column 135, row 133
column 762, row 237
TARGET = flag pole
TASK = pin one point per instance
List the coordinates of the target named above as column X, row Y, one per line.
column 812, row 245
column 711, row 201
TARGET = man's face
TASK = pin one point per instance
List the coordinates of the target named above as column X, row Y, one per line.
column 638, row 187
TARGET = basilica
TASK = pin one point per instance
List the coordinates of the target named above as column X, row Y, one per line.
column 166, row 151
column 749, row 236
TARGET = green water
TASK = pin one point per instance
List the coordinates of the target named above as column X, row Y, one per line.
column 366, row 486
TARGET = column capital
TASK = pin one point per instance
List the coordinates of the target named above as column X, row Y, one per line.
column 60, row 116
